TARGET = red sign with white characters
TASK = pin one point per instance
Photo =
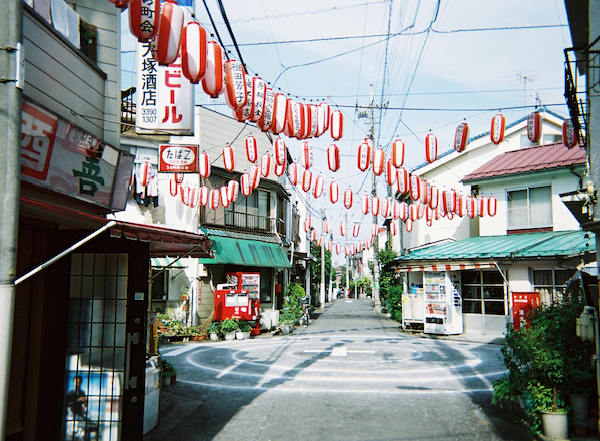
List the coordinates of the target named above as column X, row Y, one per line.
column 178, row 158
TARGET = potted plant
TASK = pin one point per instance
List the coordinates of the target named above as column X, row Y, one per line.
column 169, row 373
column 229, row 326
column 244, row 331
column 214, row 331
column 287, row 320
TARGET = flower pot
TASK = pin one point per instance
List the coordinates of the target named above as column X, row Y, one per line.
column 214, row 336
column 286, row 329
column 230, row 336
column 239, row 335
column 579, row 407
column 555, row 425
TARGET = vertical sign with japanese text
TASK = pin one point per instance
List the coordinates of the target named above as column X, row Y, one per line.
column 164, row 97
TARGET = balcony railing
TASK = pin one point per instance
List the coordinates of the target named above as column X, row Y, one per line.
column 248, row 221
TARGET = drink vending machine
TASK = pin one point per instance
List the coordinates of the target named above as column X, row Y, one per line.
column 239, row 297
column 443, row 302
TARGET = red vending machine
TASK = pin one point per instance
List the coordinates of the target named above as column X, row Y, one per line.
column 240, row 298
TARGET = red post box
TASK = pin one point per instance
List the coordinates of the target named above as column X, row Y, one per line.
column 239, row 298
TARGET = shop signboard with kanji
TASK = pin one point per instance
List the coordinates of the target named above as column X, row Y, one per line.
column 64, row 158
column 523, row 303
column 178, row 158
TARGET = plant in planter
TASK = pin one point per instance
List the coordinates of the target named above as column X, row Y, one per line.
column 214, row 331
column 169, row 373
column 244, row 331
column 287, row 320
column 229, row 326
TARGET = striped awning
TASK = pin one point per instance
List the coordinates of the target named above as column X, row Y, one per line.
column 446, row 267
column 164, row 262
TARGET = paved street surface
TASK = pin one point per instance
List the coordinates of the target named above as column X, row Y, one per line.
column 349, row 375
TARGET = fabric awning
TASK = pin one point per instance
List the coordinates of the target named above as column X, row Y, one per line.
column 166, row 262
column 446, row 267
column 232, row 251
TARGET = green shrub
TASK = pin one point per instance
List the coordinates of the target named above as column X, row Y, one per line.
column 230, row 325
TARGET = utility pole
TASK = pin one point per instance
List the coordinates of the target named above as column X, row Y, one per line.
column 322, row 290
column 347, row 260
column 370, row 113
column 11, row 95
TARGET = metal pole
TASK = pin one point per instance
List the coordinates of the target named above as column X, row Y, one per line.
column 376, row 297
column 11, row 23
column 322, row 287
column 347, row 290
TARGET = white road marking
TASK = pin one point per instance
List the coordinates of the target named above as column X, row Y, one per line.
column 180, row 351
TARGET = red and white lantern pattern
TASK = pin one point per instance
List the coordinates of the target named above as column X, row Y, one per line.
column 224, row 196
column 342, row 229
column 173, row 186
column 242, row 113
column 266, row 121
column 348, row 198
column 193, row 52
column 364, row 156
column 356, row 230
column 203, row 195
column 328, row 246
column 434, row 197
column 318, row 190
column 364, row 204
column 233, row 188
column 144, row 17
column 375, row 205
column 213, row 82
column 294, row 173
column 184, row 192
column 414, row 212
column 534, row 126
column 430, row 148
column 408, row 224
column 336, row 125
column 279, row 169
column 378, row 161
column 306, row 180
column 569, row 134
column 333, row 192
column 179, row 177
column 492, row 206
column 229, row 158
column 481, row 204
column 306, row 155
column 386, row 206
column 398, row 153
column 204, row 165
column 461, row 137
column 279, row 113
column 470, row 206
column 323, row 115
column 333, row 157
column 265, row 165
column 235, row 84
column 245, row 184
column 254, row 176
column 145, row 170
column 415, row 187
column 325, row 226
column 402, row 180
column 497, row 130
column 393, row 228
column 391, row 173
column 338, row 248
column 215, row 196
column 259, row 92
column 251, row 148
column 279, row 151
column 167, row 41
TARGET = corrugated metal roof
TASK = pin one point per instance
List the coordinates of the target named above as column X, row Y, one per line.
column 551, row 244
column 537, row 158
column 271, row 238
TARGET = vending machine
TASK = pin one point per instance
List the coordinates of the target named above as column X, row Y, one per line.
column 239, row 297
column 443, row 302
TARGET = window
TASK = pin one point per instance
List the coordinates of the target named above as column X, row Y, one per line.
column 530, row 208
column 249, row 212
column 484, row 292
column 551, row 284
column 545, row 139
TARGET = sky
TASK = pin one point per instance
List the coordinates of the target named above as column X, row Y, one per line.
column 428, row 64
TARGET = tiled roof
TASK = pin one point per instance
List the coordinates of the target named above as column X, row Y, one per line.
column 537, row 158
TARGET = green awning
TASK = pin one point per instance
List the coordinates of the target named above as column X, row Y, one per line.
column 232, row 251
column 164, row 262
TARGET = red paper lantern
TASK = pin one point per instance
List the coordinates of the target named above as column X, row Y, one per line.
column 224, row 196
column 214, row 198
column 235, row 84
column 356, row 230
column 293, row 172
column 245, row 184
column 402, row 180
column 391, row 172
column 461, row 206
column 421, row 210
column 203, row 195
column 185, row 194
column 364, row 204
column 408, row 224
column 259, row 90
column 144, row 16
column 325, row 226
column 279, row 169
column 193, row 203
column 306, row 180
column 320, row 241
column 266, row 120
column 395, row 209
column 333, row 192
column 336, row 124
column 481, row 206
column 328, row 246
column 168, row 38
column 358, row 247
column 173, row 186
column 338, row 248
column 434, row 197
column 497, row 130
column 415, row 187
column 323, row 116
column 333, row 157
column 470, row 206
column 254, row 176
column 204, row 165
column 385, row 207
column 378, row 161
column 280, row 104
column 279, row 151
column 179, row 177
column 414, row 212
column 242, row 114
column 393, row 228
column 293, row 125
column 145, row 170
column 265, row 165
column 193, row 52
column 348, row 198
column 534, row 126
column 251, row 148
column 374, row 230
column 492, row 206
column 229, row 158
column 319, row 183
column 569, row 133
column 213, row 82
column 313, row 235
column 342, row 229
column 397, row 153
column 403, row 210
column 430, row 148
column 306, row 155
column 364, row 156
column 461, row 137
column 120, row 3
column 424, row 192
column 375, row 205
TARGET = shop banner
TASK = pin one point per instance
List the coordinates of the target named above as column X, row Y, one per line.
column 523, row 303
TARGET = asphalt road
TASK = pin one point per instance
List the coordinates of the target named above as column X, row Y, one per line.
column 349, row 375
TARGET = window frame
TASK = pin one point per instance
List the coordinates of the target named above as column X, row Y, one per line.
column 480, row 300
column 528, row 224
